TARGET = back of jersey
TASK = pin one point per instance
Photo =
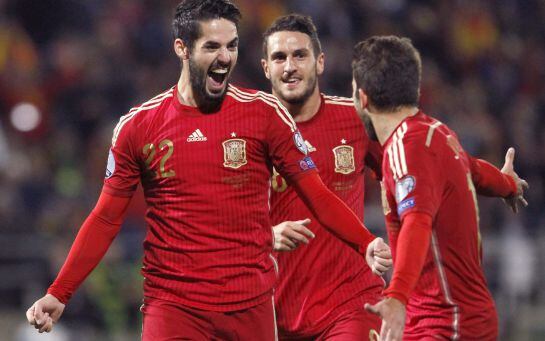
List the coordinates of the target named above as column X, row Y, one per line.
column 426, row 170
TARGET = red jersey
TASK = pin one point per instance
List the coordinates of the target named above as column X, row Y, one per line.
column 320, row 280
column 426, row 170
column 206, row 180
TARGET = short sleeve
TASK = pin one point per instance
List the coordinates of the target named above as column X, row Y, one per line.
column 417, row 180
column 286, row 146
column 123, row 169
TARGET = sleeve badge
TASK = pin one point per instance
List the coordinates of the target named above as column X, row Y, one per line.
column 110, row 168
column 300, row 142
column 404, row 187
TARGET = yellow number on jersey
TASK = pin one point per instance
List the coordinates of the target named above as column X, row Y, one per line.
column 150, row 151
column 278, row 182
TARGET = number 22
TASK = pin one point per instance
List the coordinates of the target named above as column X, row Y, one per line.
column 150, row 151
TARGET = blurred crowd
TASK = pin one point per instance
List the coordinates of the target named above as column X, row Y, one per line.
column 70, row 68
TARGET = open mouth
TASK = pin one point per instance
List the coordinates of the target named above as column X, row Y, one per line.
column 216, row 78
column 291, row 82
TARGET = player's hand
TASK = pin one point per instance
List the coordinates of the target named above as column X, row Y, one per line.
column 44, row 313
column 290, row 234
column 378, row 256
column 517, row 199
column 392, row 313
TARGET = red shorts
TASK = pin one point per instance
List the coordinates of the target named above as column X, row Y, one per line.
column 165, row 320
column 352, row 325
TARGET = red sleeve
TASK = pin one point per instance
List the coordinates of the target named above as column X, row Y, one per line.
column 123, row 170
column 490, row 181
column 409, row 261
column 93, row 240
column 331, row 212
column 419, row 181
column 287, row 148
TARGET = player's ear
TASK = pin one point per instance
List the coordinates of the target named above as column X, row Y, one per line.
column 181, row 49
column 266, row 70
column 320, row 63
column 364, row 101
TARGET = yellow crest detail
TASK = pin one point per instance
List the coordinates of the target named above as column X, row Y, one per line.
column 344, row 159
column 234, row 153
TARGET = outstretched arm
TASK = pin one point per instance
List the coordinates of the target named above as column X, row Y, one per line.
column 341, row 221
column 490, row 181
column 91, row 243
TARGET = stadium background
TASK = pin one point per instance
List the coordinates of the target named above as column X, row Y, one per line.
column 70, row 68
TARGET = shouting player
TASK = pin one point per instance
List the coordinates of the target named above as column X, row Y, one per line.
column 323, row 286
column 430, row 204
column 203, row 152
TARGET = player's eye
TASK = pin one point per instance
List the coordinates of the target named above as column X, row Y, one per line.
column 300, row 54
column 233, row 45
column 211, row 46
column 278, row 57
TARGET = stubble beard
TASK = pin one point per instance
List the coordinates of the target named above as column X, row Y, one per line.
column 301, row 99
column 206, row 102
column 366, row 119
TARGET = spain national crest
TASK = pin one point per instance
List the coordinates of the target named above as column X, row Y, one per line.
column 344, row 159
column 234, row 153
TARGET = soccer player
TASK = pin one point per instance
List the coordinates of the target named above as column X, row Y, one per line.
column 430, row 204
column 203, row 152
column 323, row 286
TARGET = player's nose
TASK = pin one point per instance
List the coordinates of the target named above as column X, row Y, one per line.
column 289, row 65
column 224, row 57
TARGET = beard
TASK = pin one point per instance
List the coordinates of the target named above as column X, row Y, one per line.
column 206, row 102
column 302, row 98
column 366, row 119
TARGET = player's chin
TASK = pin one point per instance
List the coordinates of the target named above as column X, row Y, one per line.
column 293, row 97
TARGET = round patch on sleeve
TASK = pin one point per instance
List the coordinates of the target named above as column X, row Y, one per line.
column 300, row 142
column 404, row 187
column 110, row 168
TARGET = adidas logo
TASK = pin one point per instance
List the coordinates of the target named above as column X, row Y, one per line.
column 196, row 136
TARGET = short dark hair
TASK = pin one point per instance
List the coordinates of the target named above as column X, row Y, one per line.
column 388, row 69
column 189, row 13
column 294, row 23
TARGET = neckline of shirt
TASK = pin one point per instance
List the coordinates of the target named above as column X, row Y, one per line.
column 408, row 118
column 316, row 116
column 188, row 110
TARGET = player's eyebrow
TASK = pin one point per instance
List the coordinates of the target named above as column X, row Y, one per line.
column 278, row 55
column 301, row 52
column 212, row 44
column 233, row 42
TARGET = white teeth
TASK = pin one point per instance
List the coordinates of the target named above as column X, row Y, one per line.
column 220, row 71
